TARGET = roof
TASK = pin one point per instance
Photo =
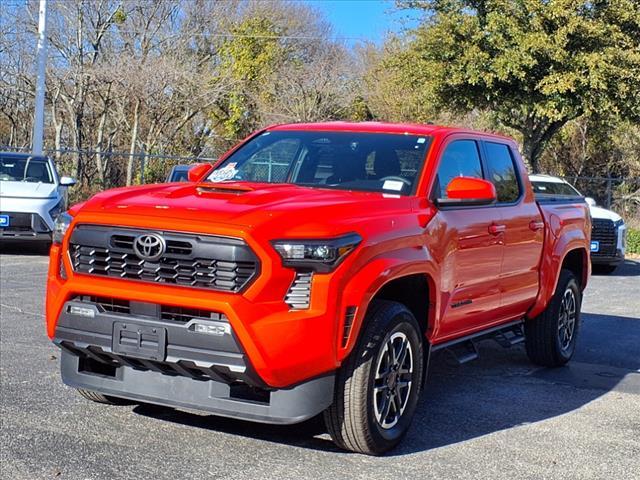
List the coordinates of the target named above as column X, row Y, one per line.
column 541, row 177
column 18, row 155
column 380, row 127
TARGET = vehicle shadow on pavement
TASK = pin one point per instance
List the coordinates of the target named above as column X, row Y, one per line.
column 305, row 435
column 24, row 248
column 499, row 391
column 628, row 268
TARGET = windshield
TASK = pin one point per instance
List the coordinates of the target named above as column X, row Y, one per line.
column 554, row 188
column 374, row 162
column 25, row 169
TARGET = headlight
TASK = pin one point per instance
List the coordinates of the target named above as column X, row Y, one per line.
column 318, row 255
column 618, row 223
column 60, row 227
column 55, row 211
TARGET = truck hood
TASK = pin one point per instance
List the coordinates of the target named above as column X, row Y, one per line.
column 247, row 204
column 603, row 213
column 27, row 190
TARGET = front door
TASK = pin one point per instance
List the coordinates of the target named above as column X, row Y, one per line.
column 469, row 249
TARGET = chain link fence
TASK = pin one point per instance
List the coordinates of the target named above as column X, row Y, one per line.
column 97, row 170
column 621, row 195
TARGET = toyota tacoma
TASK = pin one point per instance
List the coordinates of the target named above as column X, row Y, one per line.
column 313, row 270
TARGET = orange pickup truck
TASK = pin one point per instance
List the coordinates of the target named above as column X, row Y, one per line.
column 313, row 270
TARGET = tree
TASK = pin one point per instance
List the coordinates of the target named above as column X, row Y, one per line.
column 536, row 64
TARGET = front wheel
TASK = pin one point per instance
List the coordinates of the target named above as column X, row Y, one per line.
column 550, row 338
column 378, row 386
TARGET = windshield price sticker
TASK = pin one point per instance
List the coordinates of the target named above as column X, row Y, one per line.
column 392, row 185
column 225, row 173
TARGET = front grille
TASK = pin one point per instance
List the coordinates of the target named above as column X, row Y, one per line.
column 24, row 223
column 605, row 232
column 191, row 260
column 167, row 313
column 108, row 304
column 182, row 314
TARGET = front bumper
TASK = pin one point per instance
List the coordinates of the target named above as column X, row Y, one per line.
column 608, row 259
column 25, row 226
column 168, row 362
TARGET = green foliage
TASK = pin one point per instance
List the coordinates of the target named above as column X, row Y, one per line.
column 633, row 241
column 249, row 58
column 535, row 64
column 119, row 16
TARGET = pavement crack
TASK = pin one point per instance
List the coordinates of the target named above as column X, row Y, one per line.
column 19, row 310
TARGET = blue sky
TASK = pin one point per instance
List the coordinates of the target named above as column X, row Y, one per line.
column 364, row 19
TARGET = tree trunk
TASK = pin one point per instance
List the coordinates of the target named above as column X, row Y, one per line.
column 531, row 151
column 57, row 125
column 99, row 139
column 535, row 140
column 132, row 146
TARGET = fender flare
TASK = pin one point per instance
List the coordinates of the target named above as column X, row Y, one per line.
column 550, row 267
column 368, row 281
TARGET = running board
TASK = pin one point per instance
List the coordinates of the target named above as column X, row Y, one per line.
column 464, row 349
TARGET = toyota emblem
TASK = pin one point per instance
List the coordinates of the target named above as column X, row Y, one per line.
column 149, row 246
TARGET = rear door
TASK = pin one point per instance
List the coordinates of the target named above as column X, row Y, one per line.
column 523, row 230
column 469, row 254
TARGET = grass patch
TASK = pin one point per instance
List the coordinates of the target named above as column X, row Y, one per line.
column 633, row 241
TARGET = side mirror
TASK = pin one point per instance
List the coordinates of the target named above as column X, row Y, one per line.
column 467, row 191
column 67, row 181
column 197, row 171
column 590, row 201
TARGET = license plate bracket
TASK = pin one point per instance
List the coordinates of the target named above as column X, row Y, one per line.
column 140, row 341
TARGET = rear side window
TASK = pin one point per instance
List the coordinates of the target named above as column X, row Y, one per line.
column 460, row 159
column 502, row 172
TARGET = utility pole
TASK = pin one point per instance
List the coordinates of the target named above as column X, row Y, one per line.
column 41, row 67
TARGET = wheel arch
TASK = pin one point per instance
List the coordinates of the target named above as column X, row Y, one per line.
column 575, row 259
column 413, row 285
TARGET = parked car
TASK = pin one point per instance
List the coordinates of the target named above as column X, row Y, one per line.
column 313, row 270
column 32, row 195
column 608, row 231
column 178, row 174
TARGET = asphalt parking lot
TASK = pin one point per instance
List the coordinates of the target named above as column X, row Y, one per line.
column 497, row 417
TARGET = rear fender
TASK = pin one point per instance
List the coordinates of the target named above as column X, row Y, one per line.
column 569, row 240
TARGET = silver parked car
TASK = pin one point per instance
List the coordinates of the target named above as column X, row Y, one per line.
column 32, row 195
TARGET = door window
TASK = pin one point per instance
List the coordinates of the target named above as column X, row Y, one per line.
column 460, row 159
column 502, row 172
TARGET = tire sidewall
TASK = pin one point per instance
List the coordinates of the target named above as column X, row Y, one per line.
column 403, row 322
column 569, row 282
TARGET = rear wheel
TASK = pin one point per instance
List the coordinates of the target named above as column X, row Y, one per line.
column 550, row 338
column 100, row 398
column 378, row 386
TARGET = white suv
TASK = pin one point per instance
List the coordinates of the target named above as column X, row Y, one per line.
column 608, row 231
column 32, row 195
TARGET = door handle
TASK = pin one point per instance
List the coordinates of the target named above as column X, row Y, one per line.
column 536, row 225
column 495, row 229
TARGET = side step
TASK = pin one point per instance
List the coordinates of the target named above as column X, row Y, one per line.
column 464, row 349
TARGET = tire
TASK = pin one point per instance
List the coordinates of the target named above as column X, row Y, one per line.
column 550, row 338
column 105, row 399
column 359, row 419
column 604, row 269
